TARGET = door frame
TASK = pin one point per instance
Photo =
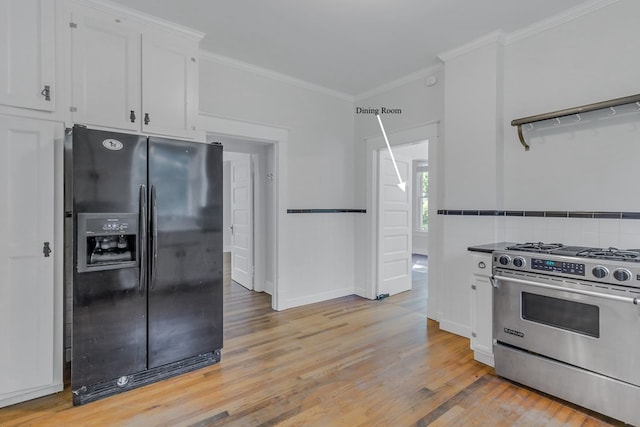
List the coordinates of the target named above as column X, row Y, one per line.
column 213, row 125
column 428, row 131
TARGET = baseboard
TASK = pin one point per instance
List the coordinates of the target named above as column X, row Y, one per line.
column 360, row 291
column 268, row 287
column 455, row 328
column 22, row 397
column 285, row 303
column 483, row 357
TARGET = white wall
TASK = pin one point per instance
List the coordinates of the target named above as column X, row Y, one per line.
column 317, row 249
column 589, row 167
column 584, row 61
column 472, row 170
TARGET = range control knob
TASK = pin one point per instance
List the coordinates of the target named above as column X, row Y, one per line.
column 504, row 259
column 600, row 272
column 622, row 275
column 519, row 261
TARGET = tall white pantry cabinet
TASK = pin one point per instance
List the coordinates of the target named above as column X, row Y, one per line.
column 65, row 62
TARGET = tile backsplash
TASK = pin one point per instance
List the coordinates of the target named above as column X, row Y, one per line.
column 618, row 233
column 598, row 229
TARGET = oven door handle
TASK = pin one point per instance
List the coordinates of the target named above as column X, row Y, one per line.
column 571, row 290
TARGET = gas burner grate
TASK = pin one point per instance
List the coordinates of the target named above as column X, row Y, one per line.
column 536, row 247
column 611, row 253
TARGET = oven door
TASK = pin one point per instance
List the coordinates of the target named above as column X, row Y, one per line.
column 592, row 326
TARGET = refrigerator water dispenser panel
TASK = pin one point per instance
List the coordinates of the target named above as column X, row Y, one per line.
column 107, row 241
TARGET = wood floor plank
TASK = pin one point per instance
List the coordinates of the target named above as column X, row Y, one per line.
column 345, row 362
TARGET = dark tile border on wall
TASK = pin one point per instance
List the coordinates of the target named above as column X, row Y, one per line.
column 300, row 211
column 544, row 214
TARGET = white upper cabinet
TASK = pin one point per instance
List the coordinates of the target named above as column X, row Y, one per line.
column 27, row 54
column 169, row 85
column 130, row 75
column 105, row 70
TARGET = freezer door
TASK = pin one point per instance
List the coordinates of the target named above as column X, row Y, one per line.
column 185, row 288
column 108, row 176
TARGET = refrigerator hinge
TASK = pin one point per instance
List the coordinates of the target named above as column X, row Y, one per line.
column 73, row 25
column 73, row 109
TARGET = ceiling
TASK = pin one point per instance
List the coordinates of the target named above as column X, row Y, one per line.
column 350, row 46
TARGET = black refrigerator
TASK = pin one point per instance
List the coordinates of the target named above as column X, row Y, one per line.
column 144, row 236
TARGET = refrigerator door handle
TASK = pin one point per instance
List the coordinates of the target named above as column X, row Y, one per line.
column 142, row 244
column 154, row 237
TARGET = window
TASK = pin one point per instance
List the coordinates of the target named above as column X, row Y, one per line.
column 422, row 193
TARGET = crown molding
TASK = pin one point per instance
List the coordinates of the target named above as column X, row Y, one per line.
column 274, row 75
column 399, row 82
column 495, row 37
column 111, row 6
column 559, row 19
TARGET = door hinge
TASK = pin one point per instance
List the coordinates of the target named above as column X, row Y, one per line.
column 73, row 109
column 73, row 25
column 46, row 250
column 473, row 287
column 473, row 334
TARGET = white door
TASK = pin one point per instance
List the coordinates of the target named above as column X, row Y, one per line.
column 105, row 73
column 27, row 53
column 26, row 260
column 242, row 221
column 394, row 225
column 169, row 85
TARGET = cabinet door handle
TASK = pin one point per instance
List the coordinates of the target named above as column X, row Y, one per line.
column 46, row 92
column 146, row 118
column 481, row 264
column 46, row 250
column 132, row 116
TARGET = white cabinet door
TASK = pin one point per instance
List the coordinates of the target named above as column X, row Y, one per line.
column 105, row 71
column 242, row 221
column 482, row 310
column 394, row 225
column 169, row 85
column 27, row 54
column 26, row 265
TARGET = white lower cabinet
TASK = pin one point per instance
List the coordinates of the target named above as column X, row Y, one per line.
column 482, row 309
column 30, row 326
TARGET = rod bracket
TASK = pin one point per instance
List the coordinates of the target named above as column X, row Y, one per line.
column 521, row 137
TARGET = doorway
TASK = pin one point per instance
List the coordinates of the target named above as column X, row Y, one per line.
column 415, row 146
column 248, row 212
column 267, row 239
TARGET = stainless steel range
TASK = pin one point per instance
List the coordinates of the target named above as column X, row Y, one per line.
column 567, row 322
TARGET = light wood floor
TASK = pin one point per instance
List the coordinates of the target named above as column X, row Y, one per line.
column 346, row 362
